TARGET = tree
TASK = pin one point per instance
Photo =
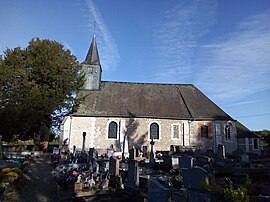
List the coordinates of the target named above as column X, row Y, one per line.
column 264, row 137
column 38, row 86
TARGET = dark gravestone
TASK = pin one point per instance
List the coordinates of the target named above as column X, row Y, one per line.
column 185, row 162
column 202, row 160
column 157, row 192
column 132, row 153
column 209, row 153
column 199, row 196
column 114, row 166
column 198, row 153
column 167, row 159
column 91, row 154
column 195, row 178
column 133, row 174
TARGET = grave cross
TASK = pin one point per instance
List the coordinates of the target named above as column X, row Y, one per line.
column 152, row 159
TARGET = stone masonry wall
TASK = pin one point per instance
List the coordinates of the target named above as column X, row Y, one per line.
column 138, row 133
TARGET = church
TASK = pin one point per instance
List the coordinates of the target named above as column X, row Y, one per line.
column 121, row 115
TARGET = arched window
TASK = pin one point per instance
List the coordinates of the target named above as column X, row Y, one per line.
column 228, row 131
column 154, row 131
column 204, row 131
column 112, row 133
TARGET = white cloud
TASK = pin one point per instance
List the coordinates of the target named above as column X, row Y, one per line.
column 244, row 103
column 108, row 51
column 176, row 38
column 239, row 65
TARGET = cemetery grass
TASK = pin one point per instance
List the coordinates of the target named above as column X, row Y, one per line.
column 37, row 183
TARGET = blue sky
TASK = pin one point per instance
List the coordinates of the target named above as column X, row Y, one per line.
column 222, row 47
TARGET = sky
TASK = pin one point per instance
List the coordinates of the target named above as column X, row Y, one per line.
column 222, row 47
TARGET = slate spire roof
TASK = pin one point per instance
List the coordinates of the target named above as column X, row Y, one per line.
column 92, row 57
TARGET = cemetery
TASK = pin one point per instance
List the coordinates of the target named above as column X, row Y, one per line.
column 191, row 175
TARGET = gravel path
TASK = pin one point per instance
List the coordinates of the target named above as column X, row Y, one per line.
column 37, row 184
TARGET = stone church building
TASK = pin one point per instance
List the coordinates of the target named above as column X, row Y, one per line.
column 124, row 114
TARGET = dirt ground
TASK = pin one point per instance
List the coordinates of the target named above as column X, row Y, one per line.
column 37, row 184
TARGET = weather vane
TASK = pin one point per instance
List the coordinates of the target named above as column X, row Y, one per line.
column 94, row 27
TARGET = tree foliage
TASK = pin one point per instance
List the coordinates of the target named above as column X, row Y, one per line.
column 38, row 85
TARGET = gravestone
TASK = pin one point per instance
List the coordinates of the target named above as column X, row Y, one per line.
column 157, row 192
column 102, row 165
column 175, row 162
column 91, row 154
column 194, row 178
column 221, row 151
column 209, row 153
column 198, row 153
column 132, row 153
column 95, row 166
column 133, row 174
column 199, row 196
column 186, row 162
column 202, row 160
column 245, row 160
column 167, row 161
column 114, row 166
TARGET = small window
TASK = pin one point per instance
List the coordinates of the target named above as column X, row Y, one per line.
column 255, row 144
column 228, row 132
column 204, row 131
column 154, row 131
column 112, row 133
column 176, row 131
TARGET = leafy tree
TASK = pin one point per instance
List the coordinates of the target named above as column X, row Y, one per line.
column 264, row 137
column 38, row 86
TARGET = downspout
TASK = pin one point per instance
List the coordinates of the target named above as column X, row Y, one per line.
column 191, row 117
column 69, row 131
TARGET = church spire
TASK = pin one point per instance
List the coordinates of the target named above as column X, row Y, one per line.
column 92, row 67
column 92, row 57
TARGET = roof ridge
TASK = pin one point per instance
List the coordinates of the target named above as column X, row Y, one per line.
column 143, row 83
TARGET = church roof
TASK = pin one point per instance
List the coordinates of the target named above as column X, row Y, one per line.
column 92, row 57
column 173, row 101
column 243, row 132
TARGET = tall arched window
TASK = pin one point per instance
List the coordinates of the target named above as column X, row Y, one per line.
column 228, row 131
column 112, row 133
column 154, row 131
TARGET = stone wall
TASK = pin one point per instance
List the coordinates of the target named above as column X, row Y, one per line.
column 137, row 131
